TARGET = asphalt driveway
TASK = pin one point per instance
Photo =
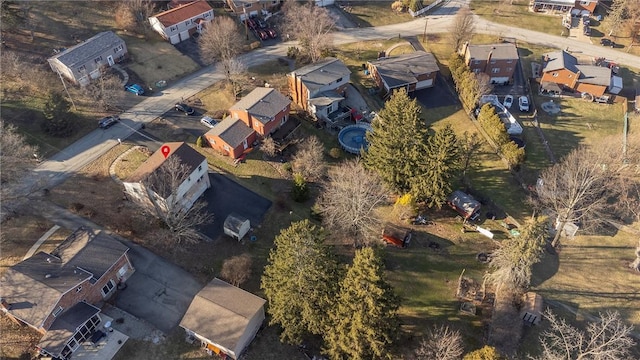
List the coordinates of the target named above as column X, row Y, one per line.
column 158, row 292
column 226, row 196
column 436, row 96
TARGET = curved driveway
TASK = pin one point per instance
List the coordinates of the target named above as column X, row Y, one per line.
column 93, row 145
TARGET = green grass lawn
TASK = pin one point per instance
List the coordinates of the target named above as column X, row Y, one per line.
column 516, row 13
column 375, row 13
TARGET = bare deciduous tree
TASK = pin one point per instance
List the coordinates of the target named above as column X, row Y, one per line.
column 221, row 40
column 269, row 146
column 462, row 28
column 237, row 269
column 484, row 84
column 441, row 343
column 106, row 91
column 133, row 15
column 635, row 265
column 181, row 225
column 235, row 73
column 311, row 26
column 309, row 159
column 349, row 201
column 606, row 338
column 16, row 155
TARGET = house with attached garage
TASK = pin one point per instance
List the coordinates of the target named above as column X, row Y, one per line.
column 231, row 137
column 146, row 187
column 561, row 69
column 180, row 23
column 87, row 60
column 56, row 293
column 320, row 87
column 243, row 8
column 263, row 109
column 413, row 71
column 564, row 6
column 498, row 61
column 224, row 318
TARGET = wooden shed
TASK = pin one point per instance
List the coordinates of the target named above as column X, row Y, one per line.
column 236, row 226
column 531, row 311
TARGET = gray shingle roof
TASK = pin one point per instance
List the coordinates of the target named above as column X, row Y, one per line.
column 596, row 75
column 65, row 326
column 503, row 51
column 404, row 69
column 88, row 49
column 262, row 103
column 324, row 72
column 326, row 98
column 99, row 255
column 558, row 60
column 232, row 131
column 185, row 154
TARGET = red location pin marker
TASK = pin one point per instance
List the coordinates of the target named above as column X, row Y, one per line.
column 165, row 149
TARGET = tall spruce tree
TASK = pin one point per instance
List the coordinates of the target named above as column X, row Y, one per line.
column 364, row 321
column 57, row 118
column 438, row 169
column 399, row 137
column 300, row 281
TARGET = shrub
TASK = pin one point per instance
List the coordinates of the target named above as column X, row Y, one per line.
column 269, row 147
column 287, row 167
column 335, row 153
column 293, row 52
column 200, row 141
column 219, row 114
column 512, row 153
column 300, row 191
column 76, row 207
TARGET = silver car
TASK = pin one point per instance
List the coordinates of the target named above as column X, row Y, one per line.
column 208, row 122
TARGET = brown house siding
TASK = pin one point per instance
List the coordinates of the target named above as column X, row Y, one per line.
column 234, row 153
column 299, row 93
column 259, row 127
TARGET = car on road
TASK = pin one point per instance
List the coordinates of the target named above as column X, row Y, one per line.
column 272, row 33
column 523, row 103
column 508, row 101
column 182, row 107
column 607, row 42
column 208, row 121
column 135, row 89
column 108, row 121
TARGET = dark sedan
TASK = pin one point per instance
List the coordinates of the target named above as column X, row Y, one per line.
column 182, row 107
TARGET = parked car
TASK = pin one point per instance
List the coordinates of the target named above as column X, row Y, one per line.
column 586, row 20
column 135, row 89
column 182, row 107
column 262, row 34
column 523, row 103
column 261, row 23
column 250, row 23
column 272, row 33
column 607, row 42
column 508, row 101
column 208, row 121
column 108, row 121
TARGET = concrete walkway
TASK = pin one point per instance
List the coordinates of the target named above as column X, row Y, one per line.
column 42, row 239
column 125, row 75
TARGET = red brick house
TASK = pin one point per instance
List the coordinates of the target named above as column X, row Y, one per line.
column 496, row 60
column 231, row 137
column 413, row 71
column 56, row 293
column 252, row 7
column 180, row 23
column 562, row 70
column 263, row 109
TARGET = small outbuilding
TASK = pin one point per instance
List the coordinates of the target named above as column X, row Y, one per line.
column 236, row 226
column 464, row 204
column 531, row 311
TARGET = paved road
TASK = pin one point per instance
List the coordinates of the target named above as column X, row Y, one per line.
column 92, row 146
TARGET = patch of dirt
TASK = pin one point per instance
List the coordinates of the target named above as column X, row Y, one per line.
column 17, row 341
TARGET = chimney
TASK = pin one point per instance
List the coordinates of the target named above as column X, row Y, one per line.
column 487, row 67
column 463, row 50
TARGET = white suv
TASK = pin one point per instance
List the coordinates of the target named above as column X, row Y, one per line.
column 523, row 103
column 208, row 122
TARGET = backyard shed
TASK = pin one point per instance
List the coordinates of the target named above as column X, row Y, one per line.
column 236, row 226
column 531, row 311
column 464, row 204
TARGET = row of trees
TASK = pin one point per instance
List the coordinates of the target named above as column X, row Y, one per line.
column 470, row 86
column 495, row 129
column 354, row 309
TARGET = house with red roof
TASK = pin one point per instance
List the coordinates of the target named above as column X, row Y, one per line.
column 180, row 23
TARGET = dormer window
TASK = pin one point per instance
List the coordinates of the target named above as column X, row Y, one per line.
column 339, row 80
column 58, row 311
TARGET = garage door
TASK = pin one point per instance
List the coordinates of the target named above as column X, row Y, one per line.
column 184, row 35
column 175, row 39
column 424, row 84
column 500, row 80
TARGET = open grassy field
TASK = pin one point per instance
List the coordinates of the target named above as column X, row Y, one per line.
column 374, row 13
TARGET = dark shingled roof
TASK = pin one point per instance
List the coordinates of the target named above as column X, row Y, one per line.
column 404, row 69
column 65, row 326
column 262, row 103
column 558, row 60
column 182, row 13
column 185, row 153
column 503, row 51
column 324, row 72
column 88, row 49
column 232, row 131
column 99, row 255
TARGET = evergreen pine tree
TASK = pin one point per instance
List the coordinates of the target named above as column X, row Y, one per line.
column 399, row 136
column 300, row 281
column 58, row 119
column 364, row 321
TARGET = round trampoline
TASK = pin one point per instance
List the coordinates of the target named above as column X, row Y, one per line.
column 352, row 138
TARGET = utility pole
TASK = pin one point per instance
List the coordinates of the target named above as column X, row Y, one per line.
column 246, row 23
column 424, row 34
column 67, row 90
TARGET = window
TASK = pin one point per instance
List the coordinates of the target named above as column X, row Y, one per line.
column 187, row 22
column 226, row 148
column 555, row 74
column 509, row 69
column 495, row 70
column 122, row 271
column 476, row 62
column 82, row 68
column 172, row 29
column 493, row 61
column 117, row 48
column 108, row 287
column 247, row 5
column 98, row 59
column 78, row 289
column 58, row 311
column 245, row 144
column 476, row 71
column 189, row 179
column 207, row 14
column 339, row 80
column 570, row 76
column 509, row 61
column 212, row 142
column 200, row 168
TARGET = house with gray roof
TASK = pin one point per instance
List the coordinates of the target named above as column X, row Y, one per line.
column 224, row 318
column 498, row 61
column 231, row 137
column 561, row 70
column 87, row 60
column 56, row 293
column 320, row 87
column 147, row 187
column 413, row 71
column 263, row 109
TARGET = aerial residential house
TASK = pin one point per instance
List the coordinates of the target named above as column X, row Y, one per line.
column 263, row 109
column 87, row 60
column 56, row 293
column 496, row 60
column 319, row 88
column 413, row 71
column 561, row 69
column 195, row 179
column 180, row 23
column 224, row 318
column 564, row 6
column 231, row 137
column 244, row 8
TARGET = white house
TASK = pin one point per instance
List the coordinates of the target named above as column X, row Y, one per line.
column 196, row 179
column 180, row 23
column 224, row 318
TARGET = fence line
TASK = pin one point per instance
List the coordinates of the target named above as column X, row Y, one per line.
column 425, row 9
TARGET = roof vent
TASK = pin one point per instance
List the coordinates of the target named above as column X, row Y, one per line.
column 48, row 260
column 48, row 276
